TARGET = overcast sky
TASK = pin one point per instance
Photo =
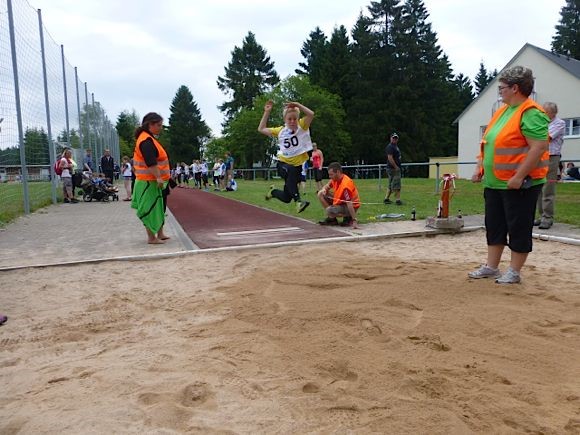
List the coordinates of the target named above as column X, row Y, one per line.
column 135, row 54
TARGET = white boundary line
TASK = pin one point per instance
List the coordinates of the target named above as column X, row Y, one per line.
column 250, row 232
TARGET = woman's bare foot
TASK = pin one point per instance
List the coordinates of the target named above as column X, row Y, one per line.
column 163, row 237
column 155, row 241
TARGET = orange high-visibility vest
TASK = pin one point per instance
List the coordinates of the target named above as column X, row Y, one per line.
column 511, row 147
column 339, row 188
column 142, row 171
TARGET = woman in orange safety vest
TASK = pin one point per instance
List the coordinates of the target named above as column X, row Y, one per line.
column 512, row 164
column 152, row 172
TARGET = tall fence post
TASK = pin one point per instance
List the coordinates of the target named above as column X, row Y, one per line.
column 65, row 97
column 380, row 175
column 437, row 176
column 51, row 150
column 79, row 109
column 88, row 125
column 97, row 144
column 23, row 168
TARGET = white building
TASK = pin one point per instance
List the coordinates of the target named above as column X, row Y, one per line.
column 557, row 79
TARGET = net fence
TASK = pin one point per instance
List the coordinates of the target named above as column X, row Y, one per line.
column 44, row 108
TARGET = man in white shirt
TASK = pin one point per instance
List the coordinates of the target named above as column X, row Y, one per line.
column 545, row 206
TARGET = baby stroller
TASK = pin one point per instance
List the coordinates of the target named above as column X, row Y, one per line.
column 97, row 189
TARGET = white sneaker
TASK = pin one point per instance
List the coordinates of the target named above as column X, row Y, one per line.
column 485, row 272
column 510, row 277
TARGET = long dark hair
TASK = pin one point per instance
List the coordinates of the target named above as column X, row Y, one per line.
column 151, row 117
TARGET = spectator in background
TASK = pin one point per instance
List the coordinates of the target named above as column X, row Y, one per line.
column 179, row 175
column 66, row 166
column 186, row 170
column 223, row 176
column 204, row 173
column 196, row 171
column 229, row 166
column 88, row 164
column 217, row 172
column 317, row 160
column 133, row 178
column 303, row 177
column 394, row 170
column 108, row 166
column 571, row 172
column 547, row 197
column 127, row 170
column 232, row 185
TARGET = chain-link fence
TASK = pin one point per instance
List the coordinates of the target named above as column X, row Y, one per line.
column 44, row 107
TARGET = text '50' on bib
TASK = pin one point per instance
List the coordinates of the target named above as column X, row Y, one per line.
column 292, row 144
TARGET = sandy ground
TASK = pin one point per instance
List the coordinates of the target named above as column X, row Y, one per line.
column 372, row 337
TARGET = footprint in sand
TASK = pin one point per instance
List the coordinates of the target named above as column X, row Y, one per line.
column 370, row 327
column 362, row 276
column 310, row 387
column 432, row 341
column 250, row 391
column 573, row 425
column 195, row 394
column 148, row 399
column 348, row 416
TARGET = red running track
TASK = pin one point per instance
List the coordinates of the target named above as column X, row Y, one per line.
column 213, row 221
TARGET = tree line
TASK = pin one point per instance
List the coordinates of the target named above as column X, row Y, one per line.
column 387, row 74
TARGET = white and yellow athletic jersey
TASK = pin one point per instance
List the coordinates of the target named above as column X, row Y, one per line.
column 293, row 147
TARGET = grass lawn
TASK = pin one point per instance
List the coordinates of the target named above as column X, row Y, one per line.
column 12, row 199
column 416, row 192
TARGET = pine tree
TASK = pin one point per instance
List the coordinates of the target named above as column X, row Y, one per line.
column 399, row 79
column 566, row 41
column 127, row 122
column 337, row 70
column 465, row 90
column 424, row 89
column 187, row 130
column 36, row 146
column 384, row 18
column 314, row 51
column 249, row 74
column 384, row 14
column 482, row 78
column 363, row 108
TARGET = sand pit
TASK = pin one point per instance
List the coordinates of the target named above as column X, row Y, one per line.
column 373, row 337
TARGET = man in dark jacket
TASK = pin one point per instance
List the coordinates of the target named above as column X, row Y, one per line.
column 108, row 165
column 394, row 170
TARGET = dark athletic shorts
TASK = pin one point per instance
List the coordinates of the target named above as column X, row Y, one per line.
column 317, row 174
column 509, row 217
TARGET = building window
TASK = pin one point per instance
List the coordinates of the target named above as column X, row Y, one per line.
column 572, row 127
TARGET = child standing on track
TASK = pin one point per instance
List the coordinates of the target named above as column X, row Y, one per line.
column 293, row 145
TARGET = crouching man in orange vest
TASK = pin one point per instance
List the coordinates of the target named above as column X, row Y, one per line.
column 152, row 173
column 345, row 200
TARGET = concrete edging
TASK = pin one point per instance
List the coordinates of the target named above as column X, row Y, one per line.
column 246, row 247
